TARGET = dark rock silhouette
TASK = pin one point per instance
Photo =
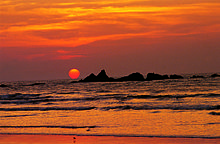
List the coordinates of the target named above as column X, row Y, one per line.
column 153, row 76
column 176, row 76
column 132, row 77
column 196, row 76
column 101, row 77
column 3, row 85
column 90, row 78
column 215, row 75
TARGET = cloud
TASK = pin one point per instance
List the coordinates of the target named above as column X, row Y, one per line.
column 68, row 57
column 62, row 51
column 34, row 56
column 68, row 23
column 40, row 54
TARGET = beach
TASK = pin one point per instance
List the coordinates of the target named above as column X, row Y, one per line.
column 70, row 139
column 162, row 111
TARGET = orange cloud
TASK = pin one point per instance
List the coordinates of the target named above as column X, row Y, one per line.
column 62, row 51
column 67, row 57
column 70, row 24
column 33, row 56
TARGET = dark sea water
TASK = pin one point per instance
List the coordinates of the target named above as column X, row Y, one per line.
column 164, row 108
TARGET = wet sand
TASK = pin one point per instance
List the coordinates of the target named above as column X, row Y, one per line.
column 71, row 139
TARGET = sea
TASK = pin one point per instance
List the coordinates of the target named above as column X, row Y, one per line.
column 188, row 107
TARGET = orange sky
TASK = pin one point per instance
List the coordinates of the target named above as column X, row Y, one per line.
column 44, row 39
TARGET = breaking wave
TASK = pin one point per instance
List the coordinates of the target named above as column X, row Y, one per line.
column 122, row 107
column 19, row 98
column 50, row 126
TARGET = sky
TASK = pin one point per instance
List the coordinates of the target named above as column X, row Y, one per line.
column 44, row 39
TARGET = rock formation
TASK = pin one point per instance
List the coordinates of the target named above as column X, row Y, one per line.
column 90, row 78
column 132, row 77
column 153, row 76
column 196, row 76
column 176, row 76
column 215, row 75
column 3, row 85
column 103, row 77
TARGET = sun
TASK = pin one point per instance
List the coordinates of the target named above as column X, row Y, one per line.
column 74, row 73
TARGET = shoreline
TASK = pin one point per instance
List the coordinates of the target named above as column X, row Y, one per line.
column 112, row 135
column 83, row 139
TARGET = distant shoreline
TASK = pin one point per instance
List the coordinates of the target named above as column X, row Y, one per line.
column 184, row 75
column 103, row 77
column 64, row 139
column 112, row 135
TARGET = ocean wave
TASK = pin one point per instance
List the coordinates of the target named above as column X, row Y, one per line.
column 217, row 123
column 208, row 137
column 211, row 95
column 172, row 96
column 50, row 126
column 65, row 93
column 7, row 116
column 146, row 107
column 47, row 108
column 120, row 107
column 19, row 98
column 35, row 84
column 125, row 96
column 214, row 113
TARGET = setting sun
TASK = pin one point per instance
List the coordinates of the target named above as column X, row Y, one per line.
column 74, row 73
